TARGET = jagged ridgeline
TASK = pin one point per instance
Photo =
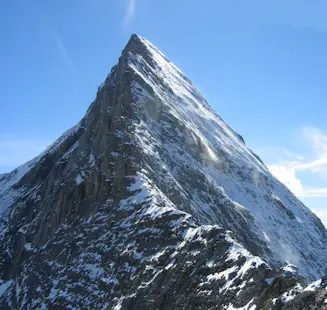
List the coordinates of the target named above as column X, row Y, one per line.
column 152, row 201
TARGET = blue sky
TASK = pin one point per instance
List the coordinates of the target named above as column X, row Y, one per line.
column 261, row 64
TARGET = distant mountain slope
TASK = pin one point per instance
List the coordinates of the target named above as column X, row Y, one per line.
column 129, row 208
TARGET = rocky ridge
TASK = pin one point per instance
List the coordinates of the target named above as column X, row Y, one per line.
column 141, row 203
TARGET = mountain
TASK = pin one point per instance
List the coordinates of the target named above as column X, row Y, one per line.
column 152, row 201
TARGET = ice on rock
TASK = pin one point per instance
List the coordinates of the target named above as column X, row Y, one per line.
column 153, row 201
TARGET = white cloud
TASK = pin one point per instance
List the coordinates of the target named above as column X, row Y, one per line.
column 315, row 192
column 287, row 171
column 286, row 175
column 62, row 50
column 293, row 155
column 318, row 141
column 130, row 11
column 322, row 214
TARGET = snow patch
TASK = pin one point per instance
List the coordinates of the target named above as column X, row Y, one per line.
column 79, row 179
column 4, row 286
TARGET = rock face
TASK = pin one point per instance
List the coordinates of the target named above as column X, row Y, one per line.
column 139, row 206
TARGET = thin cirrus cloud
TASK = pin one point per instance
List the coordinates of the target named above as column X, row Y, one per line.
column 287, row 171
column 319, row 144
column 62, row 50
column 130, row 11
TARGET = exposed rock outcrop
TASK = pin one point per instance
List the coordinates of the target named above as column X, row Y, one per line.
column 139, row 206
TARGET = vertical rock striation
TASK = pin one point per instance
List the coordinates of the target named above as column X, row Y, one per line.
column 133, row 208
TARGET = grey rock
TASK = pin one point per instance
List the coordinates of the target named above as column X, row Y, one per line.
column 152, row 201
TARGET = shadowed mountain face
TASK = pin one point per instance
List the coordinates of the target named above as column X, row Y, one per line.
column 132, row 208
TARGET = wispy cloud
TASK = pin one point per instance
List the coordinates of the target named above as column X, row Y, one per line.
column 287, row 171
column 318, row 142
column 62, row 51
column 322, row 214
column 287, row 175
column 130, row 11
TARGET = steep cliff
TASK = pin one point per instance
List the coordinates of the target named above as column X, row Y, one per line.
column 132, row 208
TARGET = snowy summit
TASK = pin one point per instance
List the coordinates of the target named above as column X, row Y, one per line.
column 152, row 201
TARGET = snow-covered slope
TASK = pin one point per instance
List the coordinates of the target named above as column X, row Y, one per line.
column 185, row 131
column 138, row 200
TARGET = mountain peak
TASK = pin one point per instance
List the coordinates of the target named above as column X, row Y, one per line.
column 148, row 186
column 137, row 37
column 135, row 42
